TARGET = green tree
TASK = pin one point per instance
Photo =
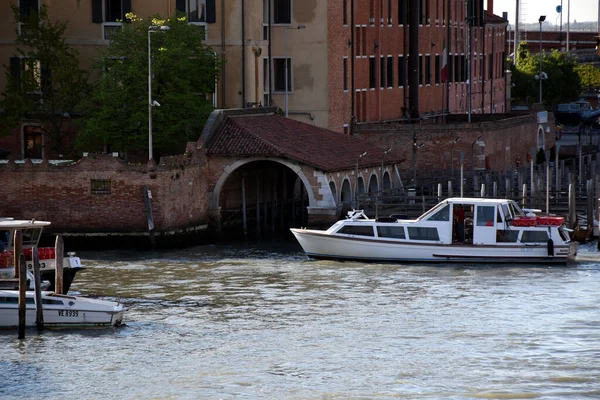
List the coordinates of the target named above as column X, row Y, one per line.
column 184, row 70
column 562, row 83
column 44, row 81
column 588, row 75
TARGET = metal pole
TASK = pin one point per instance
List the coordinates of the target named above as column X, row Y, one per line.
column 540, row 74
column 286, row 73
column 568, row 22
column 150, row 155
column 468, row 62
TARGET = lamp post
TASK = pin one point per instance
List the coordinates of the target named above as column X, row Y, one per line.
column 452, row 158
column 152, row 28
column 540, row 76
column 286, row 66
column 382, row 157
column 473, row 159
column 364, row 153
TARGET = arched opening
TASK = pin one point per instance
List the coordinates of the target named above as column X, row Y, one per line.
column 333, row 191
column 373, row 184
column 387, row 181
column 360, row 187
column 262, row 198
column 346, row 197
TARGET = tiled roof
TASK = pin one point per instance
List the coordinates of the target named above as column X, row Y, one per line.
column 271, row 135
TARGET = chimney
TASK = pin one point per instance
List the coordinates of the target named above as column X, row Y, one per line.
column 490, row 6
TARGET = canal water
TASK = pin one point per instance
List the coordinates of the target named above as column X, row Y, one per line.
column 262, row 321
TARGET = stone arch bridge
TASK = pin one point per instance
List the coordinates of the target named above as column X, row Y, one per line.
column 268, row 171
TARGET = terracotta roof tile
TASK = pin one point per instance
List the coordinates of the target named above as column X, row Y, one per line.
column 271, row 135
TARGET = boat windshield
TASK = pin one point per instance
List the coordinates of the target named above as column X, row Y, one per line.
column 31, row 236
column 515, row 210
column 434, row 210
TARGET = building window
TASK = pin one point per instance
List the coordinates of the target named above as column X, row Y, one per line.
column 389, row 12
column 401, row 12
column 196, row 10
column 372, row 12
column 279, row 75
column 401, row 71
column 357, row 42
column 282, row 11
column 382, row 74
column 32, row 137
column 490, row 66
column 345, row 74
column 427, row 69
column 101, row 186
column 422, row 12
column 450, row 66
column 113, row 11
column 420, row 69
column 438, row 70
column 390, row 71
column 372, row 73
column 28, row 72
column 345, row 12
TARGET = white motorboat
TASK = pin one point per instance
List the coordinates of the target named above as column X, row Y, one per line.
column 32, row 232
column 465, row 230
column 60, row 310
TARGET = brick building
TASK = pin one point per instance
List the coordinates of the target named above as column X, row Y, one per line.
column 349, row 61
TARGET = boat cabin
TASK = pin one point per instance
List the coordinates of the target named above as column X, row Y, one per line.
column 462, row 221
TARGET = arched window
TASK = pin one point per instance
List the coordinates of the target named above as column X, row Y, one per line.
column 361, row 185
column 387, row 181
column 346, row 194
column 333, row 191
column 373, row 184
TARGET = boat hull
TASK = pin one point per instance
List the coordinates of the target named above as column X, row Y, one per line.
column 320, row 245
column 61, row 311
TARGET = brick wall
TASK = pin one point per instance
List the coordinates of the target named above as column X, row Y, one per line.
column 507, row 142
column 63, row 194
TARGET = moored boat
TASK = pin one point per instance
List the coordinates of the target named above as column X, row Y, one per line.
column 465, row 230
column 32, row 231
column 60, row 310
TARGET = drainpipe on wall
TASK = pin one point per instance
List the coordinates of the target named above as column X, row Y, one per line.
column 270, row 62
column 352, row 57
column 243, row 55
column 223, row 80
column 413, row 59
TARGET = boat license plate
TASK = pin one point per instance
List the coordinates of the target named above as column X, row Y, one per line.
column 68, row 313
column 75, row 262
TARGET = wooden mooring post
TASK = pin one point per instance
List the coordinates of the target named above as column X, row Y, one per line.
column 18, row 249
column 59, row 258
column 39, row 310
column 22, row 295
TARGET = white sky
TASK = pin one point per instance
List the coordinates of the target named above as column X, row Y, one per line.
column 581, row 10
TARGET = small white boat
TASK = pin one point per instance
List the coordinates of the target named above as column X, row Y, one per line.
column 60, row 310
column 465, row 230
column 32, row 232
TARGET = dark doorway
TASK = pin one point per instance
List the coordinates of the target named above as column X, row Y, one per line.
column 32, row 135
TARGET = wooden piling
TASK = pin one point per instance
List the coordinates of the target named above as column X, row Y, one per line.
column 572, row 211
column 548, row 186
column 258, row 204
column 244, row 217
column 59, row 259
column 22, row 294
column 18, row 249
column 39, row 311
column 590, row 204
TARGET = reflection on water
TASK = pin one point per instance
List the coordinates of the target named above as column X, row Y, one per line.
column 263, row 321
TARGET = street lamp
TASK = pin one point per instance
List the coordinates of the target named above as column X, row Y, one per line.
column 452, row 157
column 382, row 157
column 541, row 76
column 286, row 66
column 364, row 153
column 472, row 159
column 152, row 28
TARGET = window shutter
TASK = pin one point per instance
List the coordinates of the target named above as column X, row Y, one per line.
column 126, row 8
column 15, row 67
column 180, row 5
column 211, row 12
column 97, row 11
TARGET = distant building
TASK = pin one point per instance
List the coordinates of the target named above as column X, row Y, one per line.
column 348, row 61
